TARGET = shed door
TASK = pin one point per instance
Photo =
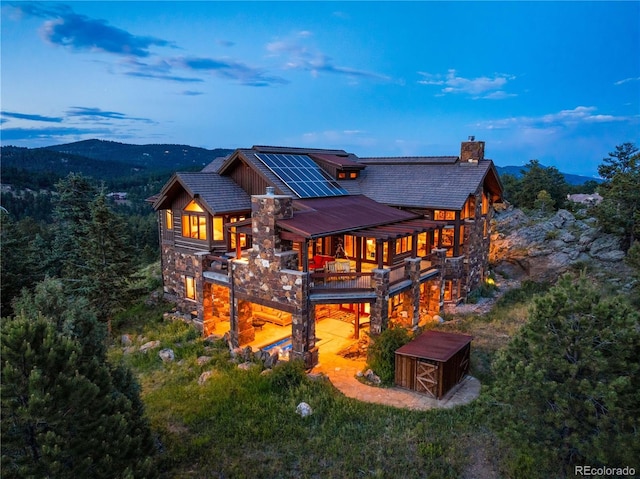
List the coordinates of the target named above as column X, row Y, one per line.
column 427, row 378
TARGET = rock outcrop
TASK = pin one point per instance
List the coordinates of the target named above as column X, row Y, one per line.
column 541, row 249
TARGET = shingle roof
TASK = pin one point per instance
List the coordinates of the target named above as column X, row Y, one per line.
column 218, row 194
column 215, row 165
column 420, row 185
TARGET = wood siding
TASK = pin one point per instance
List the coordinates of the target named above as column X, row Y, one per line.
column 248, row 179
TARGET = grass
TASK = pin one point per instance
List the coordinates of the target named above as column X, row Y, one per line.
column 243, row 424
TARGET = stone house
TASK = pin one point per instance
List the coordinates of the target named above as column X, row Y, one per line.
column 290, row 236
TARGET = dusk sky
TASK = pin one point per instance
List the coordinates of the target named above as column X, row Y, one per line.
column 553, row 81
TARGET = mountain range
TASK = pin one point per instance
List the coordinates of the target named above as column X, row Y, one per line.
column 121, row 160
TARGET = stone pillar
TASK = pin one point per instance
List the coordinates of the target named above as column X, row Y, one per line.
column 246, row 331
column 304, row 338
column 380, row 308
column 208, row 318
column 412, row 272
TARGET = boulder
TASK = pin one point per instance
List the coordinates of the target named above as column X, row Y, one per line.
column 204, row 377
column 372, row 377
column 271, row 361
column 304, row 410
column 167, row 355
column 202, row 360
column 149, row 345
column 247, row 365
column 125, row 340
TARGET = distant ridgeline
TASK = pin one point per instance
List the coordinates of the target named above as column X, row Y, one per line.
column 569, row 178
column 101, row 160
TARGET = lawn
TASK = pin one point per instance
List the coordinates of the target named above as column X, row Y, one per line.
column 241, row 423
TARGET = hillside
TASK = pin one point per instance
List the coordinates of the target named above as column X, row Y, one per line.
column 161, row 156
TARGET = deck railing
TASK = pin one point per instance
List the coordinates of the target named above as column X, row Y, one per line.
column 341, row 281
column 397, row 274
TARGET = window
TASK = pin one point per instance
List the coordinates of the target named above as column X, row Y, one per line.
column 442, row 215
column 243, row 237
column 168, row 219
column 485, row 203
column 194, row 222
column 218, row 228
column 189, row 287
column 403, row 244
column 448, row 291
column 469, row 210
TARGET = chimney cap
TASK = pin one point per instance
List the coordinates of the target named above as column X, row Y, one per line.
column 472, row 138
column 270, row 191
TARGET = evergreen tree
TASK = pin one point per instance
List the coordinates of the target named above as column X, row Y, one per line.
column 108, row 260
column 71, row 213
column 66, row 414
column 619, row 211
column 536, row 178
column 567, row 385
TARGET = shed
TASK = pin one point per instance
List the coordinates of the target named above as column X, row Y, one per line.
column 433, row 363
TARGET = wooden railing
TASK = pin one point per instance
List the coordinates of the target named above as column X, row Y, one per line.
column 341, row 281
column 397, row 274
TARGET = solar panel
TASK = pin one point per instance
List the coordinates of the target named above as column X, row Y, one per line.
column 302, row 175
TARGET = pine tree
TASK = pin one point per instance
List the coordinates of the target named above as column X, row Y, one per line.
column 619, row 211
column 108, row 259
column 66, row 414
column 567, row 385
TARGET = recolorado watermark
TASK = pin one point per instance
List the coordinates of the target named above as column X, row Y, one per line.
column 604, row 471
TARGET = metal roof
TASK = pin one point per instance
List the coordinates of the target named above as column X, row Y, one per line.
column 435, row 345
column 319, row 217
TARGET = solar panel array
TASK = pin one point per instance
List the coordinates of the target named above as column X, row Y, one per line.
column 302, row 175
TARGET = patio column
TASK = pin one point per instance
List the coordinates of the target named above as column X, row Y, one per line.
column 380, row 308
column 412, row 272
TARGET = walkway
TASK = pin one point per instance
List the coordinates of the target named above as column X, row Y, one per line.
column 342, row 374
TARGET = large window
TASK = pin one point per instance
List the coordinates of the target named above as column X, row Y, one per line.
column 242, row 236
column 194, row 222
column 444, row 215
column 218, row 228
column 189, row 287
column 403, row 244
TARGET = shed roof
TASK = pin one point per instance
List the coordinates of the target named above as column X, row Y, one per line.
column 435, row 345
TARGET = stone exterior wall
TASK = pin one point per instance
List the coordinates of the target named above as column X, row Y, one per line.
column 176, row 266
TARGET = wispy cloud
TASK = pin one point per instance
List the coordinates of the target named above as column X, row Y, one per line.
column 98, row 114
column 64, row 27
column 487, row 88
column 298, row 56
column 228, row 69
column 563, row 118
column 50, row 134
column 68, row 29
column 627, row 80
column 31, row 117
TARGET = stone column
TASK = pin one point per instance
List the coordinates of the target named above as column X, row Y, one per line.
column 380, row 308
column 412, row 272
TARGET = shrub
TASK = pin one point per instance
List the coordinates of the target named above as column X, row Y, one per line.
column 381, row 353
column 287, row 375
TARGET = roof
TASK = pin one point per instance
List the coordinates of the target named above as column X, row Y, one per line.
column 318, row 217
column 435, row 345
column 215, row 165
column 438, row 185
column 218, row 194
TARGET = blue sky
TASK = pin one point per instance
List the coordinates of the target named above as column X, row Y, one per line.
column 553, row 81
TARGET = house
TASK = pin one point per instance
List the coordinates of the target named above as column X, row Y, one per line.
column 290, row 236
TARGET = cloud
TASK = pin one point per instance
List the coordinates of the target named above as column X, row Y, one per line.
column 228, row 69
column 300, row 57
column 626, row 80
column 563, row 118
column 490, row 88
column 98, row 114
column 192, row 93
column 31, row 117
column 13, row 134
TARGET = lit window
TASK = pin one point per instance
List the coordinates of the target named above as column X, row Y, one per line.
column 218, row 228
column 190, row 287
column 441, row 215
column 342, row 175
column 353, row 175
column 194, row 225
column 168, row 219
column 448, row 291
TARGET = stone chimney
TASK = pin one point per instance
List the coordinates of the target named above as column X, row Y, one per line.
column 472, row 151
